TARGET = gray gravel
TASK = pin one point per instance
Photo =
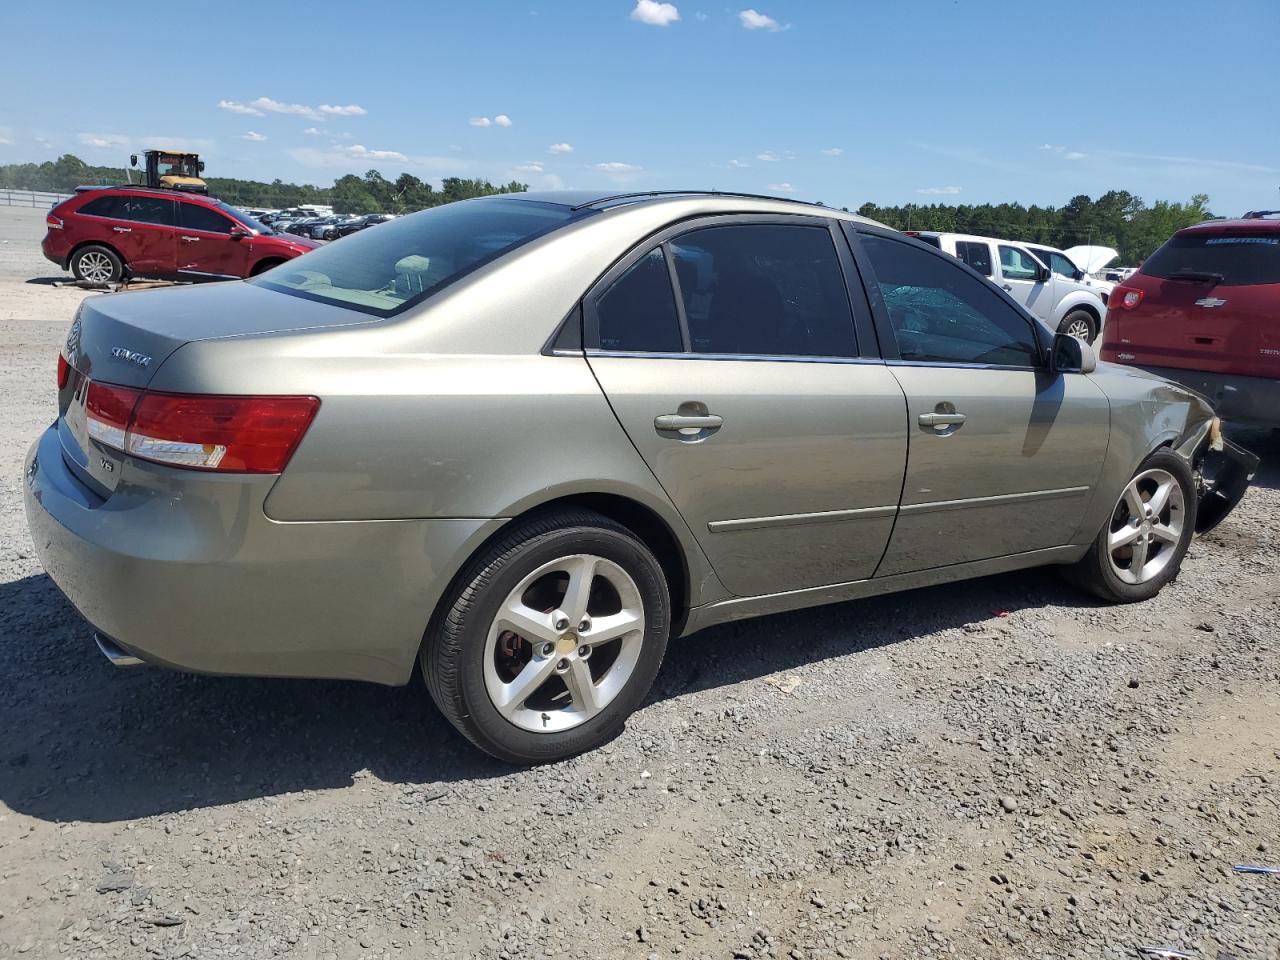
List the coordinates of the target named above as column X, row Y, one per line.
column 995, row 769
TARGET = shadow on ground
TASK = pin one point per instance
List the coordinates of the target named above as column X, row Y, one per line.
column 86, row 741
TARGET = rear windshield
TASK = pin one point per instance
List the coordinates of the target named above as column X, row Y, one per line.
column 406, row 260
column 1233, row 259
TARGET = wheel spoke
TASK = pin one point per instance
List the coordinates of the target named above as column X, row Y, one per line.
column 1139, row 558
column 582, row 572
column 1160, row 499
column 528, row 680
column 604, row 629
column 1133, row 499
column 1123, row 537
column 529, row 623
column 582, row 689
column 1165, row 533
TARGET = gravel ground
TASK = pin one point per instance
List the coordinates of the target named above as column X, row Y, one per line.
column 1000, row 768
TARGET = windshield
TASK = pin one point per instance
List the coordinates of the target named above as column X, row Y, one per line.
column 1240, row 259
column 244, row 219
column 406, row 260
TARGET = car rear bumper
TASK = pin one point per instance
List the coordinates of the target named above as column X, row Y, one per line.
column 1244, row 400
column 190, row 573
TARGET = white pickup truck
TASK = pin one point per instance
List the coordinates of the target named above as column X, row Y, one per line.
column 1067, row 305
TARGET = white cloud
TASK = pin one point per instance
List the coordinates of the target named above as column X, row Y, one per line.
column 939, row 191
column 738, row 164
column 1063, row 152
column 614, row 166
column 782, row 188
column 480, row 121
column 502, row 120
column 254, row 136
column 275, row 106
column 103, row 140
column 312, row 131
column 350, row 110
column 768, row 156
column 654, row 13
column 1074, row 155
column 532, row 167
column 360, row 151
column 236, row 107
column 5, row 141
column 560, row 148
column 833, row 151
column 753, row 20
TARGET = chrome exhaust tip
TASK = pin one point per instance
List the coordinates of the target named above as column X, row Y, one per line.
column 118, row 656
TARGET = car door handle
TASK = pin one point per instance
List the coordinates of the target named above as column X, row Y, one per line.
column 680, row 421
column 941, row 419
column 186, row 239
column 122, row 229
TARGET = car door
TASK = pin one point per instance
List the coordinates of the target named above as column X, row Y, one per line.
column 152, row 234
column 1024, row 278
column 206, row 245
column 730, row 353
column 1004, row 454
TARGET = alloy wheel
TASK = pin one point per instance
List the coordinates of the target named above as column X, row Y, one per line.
column 1146, row 527
column 1079, row 329
column 564, row 643
column 96, row 267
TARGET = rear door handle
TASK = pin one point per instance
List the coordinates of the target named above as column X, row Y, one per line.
column 190, row 239
column 122, row 229
column 941, row 419
column 679, row 421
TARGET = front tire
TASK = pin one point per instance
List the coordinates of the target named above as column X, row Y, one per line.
column 1141, row 546
column 1080, row 324
column 550, row 638
column 95, row 263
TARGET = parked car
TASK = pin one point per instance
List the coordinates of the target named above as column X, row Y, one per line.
column 1065, row 304
column 103, row 236
column 300, row 227
column 354, row 224
column 1081, row 264
column 1204, row 310
column 522, row 441
column 316, row 228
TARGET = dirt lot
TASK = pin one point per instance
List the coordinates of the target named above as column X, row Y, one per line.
column 996, row 769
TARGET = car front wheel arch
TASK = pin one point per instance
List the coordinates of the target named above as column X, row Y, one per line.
column 265, row 264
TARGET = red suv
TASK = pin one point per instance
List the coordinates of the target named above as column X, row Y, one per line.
column 104, row 235
column 1204, row 310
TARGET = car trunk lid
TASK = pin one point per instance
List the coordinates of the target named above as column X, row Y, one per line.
column 123, row 339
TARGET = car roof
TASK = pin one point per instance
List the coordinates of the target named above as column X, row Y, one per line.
column 970, row 236
column 165, row 192
column 1243, row 225
column 744, row 202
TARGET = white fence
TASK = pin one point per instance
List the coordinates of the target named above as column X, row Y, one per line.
column 30, row 198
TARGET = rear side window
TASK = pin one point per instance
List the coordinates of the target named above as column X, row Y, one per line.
column 406, row 260
column 638, row 311
column 942, row 314
column 196, row 217
column 104, row 207
column 1233, row 259
column 764, row 289
column 975, row 254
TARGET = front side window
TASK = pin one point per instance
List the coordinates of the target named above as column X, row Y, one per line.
column 1017, row 264
column 1061, row 264
column 638, row 311
column 1230, row 259
column 197, row 217
column 976, row 254
column 942, row 314
column 403, row 262
column 764, row 289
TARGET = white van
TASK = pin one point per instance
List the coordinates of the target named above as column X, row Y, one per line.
column 1067, row 305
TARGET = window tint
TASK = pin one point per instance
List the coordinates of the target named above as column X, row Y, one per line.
column 764, row 289
column 196, row 217
column 1059, row 263
column 975, row 254
column 638, row 312
column 940, row 313
column 1238, row 258
column 148, row 210
column 104, row 207
column 384, row 271
column 1017, row 264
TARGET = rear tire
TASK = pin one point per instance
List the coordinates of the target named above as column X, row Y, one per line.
column 1080, row 324
column 95, row 263
column 550, row 638
column 1142, row 545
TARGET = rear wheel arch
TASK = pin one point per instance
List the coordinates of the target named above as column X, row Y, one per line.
column 66, row 264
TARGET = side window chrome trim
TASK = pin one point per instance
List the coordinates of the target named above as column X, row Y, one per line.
column 747, row 357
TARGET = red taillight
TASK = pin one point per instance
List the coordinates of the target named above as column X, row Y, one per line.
column 64, row 371
column 227, row 434
column 52, row 222
column 1126, row 298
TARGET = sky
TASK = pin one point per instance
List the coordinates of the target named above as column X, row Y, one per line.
column 839, row 101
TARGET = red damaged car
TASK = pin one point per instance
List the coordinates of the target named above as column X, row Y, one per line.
column 1204, row 310
column 104, row 235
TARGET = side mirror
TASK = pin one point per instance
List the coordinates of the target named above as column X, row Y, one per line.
column 1069, row 355
column 202, row 166
column 1043, row 273
column 238, row 233
column 133, row 159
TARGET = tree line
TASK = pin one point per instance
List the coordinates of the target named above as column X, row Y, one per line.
column 1116, row 219
column 371, row 193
